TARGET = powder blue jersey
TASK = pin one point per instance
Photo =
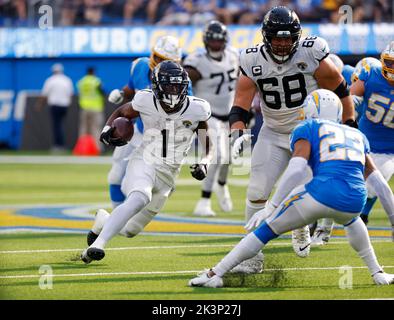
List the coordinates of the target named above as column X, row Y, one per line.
column 337, row 160
column 347, row 73
column 377, row 120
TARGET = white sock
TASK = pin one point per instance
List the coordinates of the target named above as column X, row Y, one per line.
column 247, row 248
column 134, row 203
column 357, row 234
column 252, row 208
column 327, row 223
column 115, row 204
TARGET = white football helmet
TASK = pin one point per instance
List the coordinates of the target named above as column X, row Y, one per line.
column 365, row 63
column 323, row 104
column 337, row 61
column 387, row 60
column 166, row 48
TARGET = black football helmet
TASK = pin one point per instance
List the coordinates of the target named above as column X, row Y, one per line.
column 281, row 22
column 169, row 85
column 215, row 38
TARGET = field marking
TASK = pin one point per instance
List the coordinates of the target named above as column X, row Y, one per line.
column 161, row 247
column 103, row 274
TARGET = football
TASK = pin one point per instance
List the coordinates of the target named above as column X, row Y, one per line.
column 124, row 128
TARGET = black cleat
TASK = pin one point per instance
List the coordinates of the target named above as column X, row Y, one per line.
column 364, row 218
column 91, row 237
column 91, row 254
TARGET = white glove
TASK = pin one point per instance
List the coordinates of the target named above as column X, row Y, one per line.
column 116, row 96
column 238, row 145
column 259, row 217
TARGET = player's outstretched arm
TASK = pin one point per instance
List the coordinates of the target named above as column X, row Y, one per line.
column 328, row 77
column 376, row 181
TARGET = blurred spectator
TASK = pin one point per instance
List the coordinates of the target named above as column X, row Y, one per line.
column 203, row 11
column 91, row 102
column 93, row 10
column 178, row 13
column 69, row 11
column 135, row 10
column 58, row 91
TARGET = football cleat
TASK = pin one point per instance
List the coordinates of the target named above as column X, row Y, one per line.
column 203, row 208
column 90, row 254
column 224, row 197
column 250, row 266
column 321, row 236
column 382, row 278
column 91, row 238
column 301, row 241
column 203, row 280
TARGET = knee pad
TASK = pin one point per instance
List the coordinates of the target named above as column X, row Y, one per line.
column 255, row 193
column 137, row 223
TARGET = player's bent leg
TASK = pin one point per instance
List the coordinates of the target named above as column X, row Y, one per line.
column 357, row 234
column 296, row 212
column 248, row 247
column 137, row 223
column 134, row 203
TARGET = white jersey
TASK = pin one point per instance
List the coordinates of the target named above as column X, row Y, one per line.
column 284, row 87
column 217, row 81
column 167, row 137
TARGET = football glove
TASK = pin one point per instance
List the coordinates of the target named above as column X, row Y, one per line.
column 351, row 123
column 116, row 96
column 259, row 217
column 199, row 171
column 238, row 145
column 107, row 139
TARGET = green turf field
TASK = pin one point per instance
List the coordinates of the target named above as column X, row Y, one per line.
column 159, row 266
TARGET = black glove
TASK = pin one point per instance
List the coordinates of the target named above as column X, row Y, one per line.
column 199, row 171
column 351, row 123
column 107, row 139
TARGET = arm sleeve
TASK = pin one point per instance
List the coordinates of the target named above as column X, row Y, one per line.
column 294, row 173
column 384, row 193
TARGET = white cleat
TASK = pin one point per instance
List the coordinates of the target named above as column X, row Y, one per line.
column 223, row 194
column 203, row 280
column 250, row 266
column 203, row 208
column 381, row 278
column 301, row 241
column 321, row 236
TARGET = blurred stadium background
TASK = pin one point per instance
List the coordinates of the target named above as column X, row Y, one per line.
column 109, row 34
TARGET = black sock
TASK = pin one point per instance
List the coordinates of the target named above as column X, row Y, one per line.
column 222, row 183
column 206, row 194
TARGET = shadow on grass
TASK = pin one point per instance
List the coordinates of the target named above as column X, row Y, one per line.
column 35, row 236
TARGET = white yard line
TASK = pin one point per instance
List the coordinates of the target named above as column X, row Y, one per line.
column 101, row 274
column 161, row 247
